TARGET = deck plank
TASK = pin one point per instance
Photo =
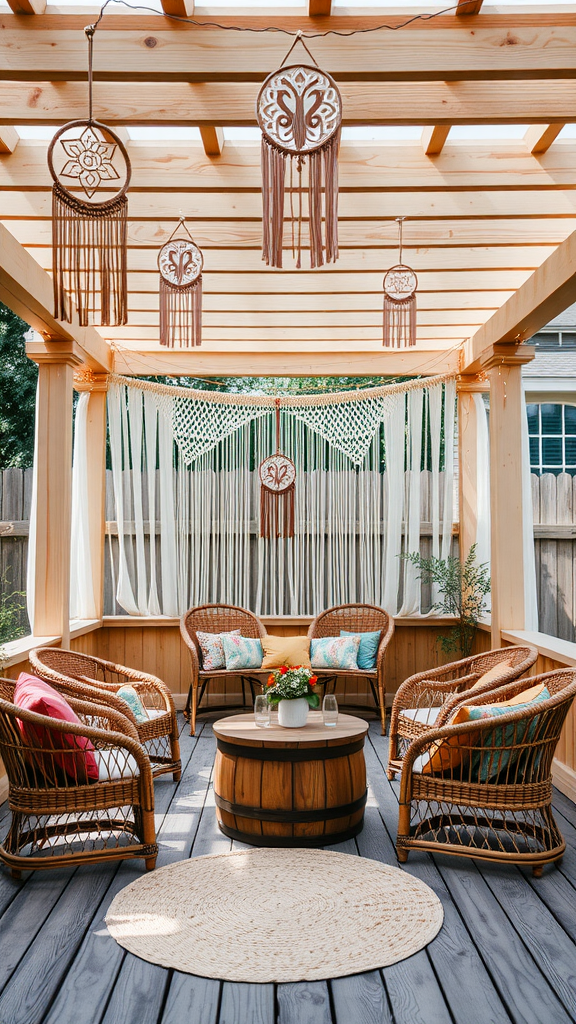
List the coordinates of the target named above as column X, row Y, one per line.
column 361, row 998
column 191, row 999
column 306, row 1002
column 247, row 1004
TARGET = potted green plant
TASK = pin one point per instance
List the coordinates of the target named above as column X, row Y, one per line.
column 291, row 690
column 463, row 587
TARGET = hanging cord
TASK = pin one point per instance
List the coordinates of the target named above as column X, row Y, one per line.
column 278, row 28
column 277, row 404
column 89, row 33
column 300, row 39
column 400, row 221
column 181, row 224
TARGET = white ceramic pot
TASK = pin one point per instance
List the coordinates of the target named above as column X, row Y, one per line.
column 292, row 714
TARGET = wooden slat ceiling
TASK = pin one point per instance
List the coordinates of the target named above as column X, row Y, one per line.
column 482, row 214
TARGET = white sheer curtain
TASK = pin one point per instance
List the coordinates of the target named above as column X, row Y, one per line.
column 188, row 529
column 83, row 600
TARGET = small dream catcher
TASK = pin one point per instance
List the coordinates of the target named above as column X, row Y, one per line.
column 180, row 263
column 277, row 486
column 91, row 172
column 299, row 110
column 400, row 284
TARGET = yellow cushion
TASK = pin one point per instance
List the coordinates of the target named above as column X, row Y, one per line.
column 524, row 697
column 492, row 675
column 285, row 650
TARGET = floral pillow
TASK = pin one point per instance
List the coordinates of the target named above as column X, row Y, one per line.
column 241, row 652
column 130, row 697
column 335, row 652
column 212, row 649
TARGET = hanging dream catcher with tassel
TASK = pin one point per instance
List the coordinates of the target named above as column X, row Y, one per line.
column 180, row 263
column 400, row 284
column 299, row 110
column 91, row 172
column 277, row 485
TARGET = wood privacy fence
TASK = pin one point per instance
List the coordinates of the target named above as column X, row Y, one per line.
column 554, row 503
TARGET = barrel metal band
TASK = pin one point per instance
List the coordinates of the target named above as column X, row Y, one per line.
column 291, row 817
column 290, row 753
column 327, row 839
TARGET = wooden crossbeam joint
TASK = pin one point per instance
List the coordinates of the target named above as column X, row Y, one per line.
column 505, row 354
column 9, row 138
column 434, row 137
column 540, row 137
column 212, row 140
column 468, row 7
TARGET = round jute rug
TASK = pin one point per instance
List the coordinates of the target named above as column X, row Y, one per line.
column 275, row 915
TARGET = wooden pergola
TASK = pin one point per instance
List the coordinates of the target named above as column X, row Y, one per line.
column 489, row 229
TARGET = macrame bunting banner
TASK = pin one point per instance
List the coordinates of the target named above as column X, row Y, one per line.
column 180, row 263
column 299, row 110
column 91, row 173
column 277, row 484
column 400, row 284
column 348, row 421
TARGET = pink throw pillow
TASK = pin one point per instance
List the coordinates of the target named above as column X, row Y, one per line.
column 74, row 753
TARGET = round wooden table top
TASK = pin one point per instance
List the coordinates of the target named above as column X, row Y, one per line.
column 244, row 728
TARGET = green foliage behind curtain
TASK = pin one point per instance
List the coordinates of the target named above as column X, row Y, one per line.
column 18, row 376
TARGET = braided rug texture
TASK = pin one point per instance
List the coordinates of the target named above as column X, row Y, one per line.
column 269, row 915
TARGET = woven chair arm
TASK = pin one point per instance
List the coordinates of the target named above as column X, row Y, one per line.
column 155, row 691
column 95, row 714
column 409, row 692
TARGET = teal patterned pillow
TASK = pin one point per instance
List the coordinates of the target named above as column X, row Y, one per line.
column 487, row 766
column 130, row 697
column 335, row 652
column 368, row 649
column 241, row 652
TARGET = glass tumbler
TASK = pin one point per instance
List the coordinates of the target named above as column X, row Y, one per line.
column 330, row 710
column 262, row 712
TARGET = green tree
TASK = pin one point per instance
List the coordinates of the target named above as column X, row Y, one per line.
column 18, row 376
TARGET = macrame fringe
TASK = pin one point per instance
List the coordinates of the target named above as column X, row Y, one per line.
column 277, row 513
column 322, row 166
column 399, row 322
column 89, row 259
column 180, row 314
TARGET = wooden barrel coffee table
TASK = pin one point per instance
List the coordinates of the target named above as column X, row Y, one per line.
column 290, row 787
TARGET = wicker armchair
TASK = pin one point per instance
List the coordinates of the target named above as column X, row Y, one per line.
column 61, row 820
column 428, row 699
column 357, row 618
column 97, row 681
column 215, row 618
column 492, row 800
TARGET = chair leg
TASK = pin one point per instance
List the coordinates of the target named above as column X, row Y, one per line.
column 537, row 870
column 150, row 863
column 193, row 709
column 175, row 754
column 382, row 694
column 402, row 854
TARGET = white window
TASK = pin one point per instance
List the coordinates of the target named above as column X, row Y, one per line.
column 552, row 431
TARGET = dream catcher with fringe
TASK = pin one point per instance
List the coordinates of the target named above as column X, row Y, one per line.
column 400, row 284
column 180, row 262
column 91, row 172
column 277, row 486
column 299, row 110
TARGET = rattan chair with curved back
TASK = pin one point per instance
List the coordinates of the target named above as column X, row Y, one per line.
column 216, row 618
column 483, row 788
column 357, row 618
column 93, row 679
column 65, row 819
column 428, row 699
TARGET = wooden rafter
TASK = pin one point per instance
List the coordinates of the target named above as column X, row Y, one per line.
column 27, row 6
column 434, row 137
column 540, row 137
column 180, row 8
column 9, row 138
column 212, row 140
column 468, row 7
column 546, row 293
column 136, row 48
column 387, row 103
column 319, row 8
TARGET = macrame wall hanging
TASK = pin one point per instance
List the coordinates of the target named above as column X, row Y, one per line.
column 277, row 485
column 400, row 284
column 180, row 263
column 299, row 110
column 91, row 172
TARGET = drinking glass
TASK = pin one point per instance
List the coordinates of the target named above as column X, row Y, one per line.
column 262, row 712
column 330, row 710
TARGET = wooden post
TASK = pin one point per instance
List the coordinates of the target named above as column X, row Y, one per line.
column 468, row 386
column 507, row 549
column 97, row 385
column 54, row 490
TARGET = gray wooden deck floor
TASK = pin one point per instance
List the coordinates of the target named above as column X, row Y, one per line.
column 506, row 952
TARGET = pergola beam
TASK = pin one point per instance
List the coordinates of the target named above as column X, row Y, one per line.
column 200, row 363
column 546, row 293
column 180, row 8
column 185, row 104
column 319, row 8
column 540, row 137
column 212, row 140
column 468, row 7
column 434, row 137
column 27, row 6
column 9, row 138
column 136, row 48
column 27, row 290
